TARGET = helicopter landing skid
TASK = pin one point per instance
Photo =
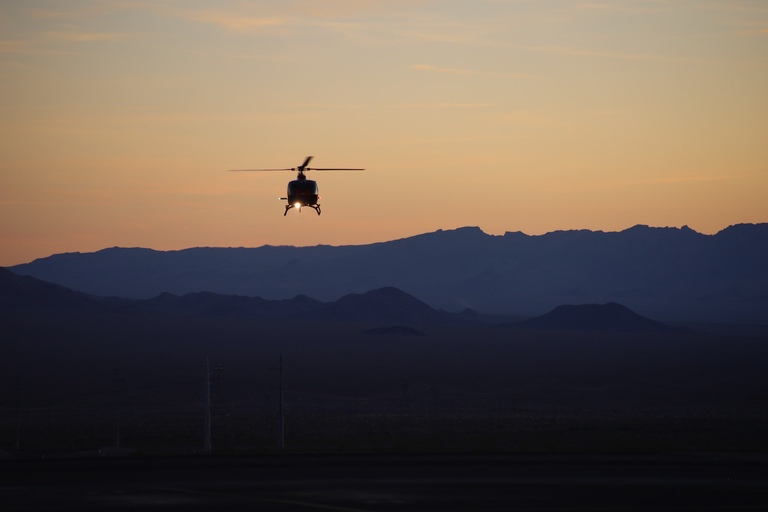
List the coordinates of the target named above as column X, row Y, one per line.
column 316, row 207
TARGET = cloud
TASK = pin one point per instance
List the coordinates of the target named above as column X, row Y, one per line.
column 683, row 179
column 526, row 118
column 14, row 46
column 227, row 20
column 734, row 7
column 631, row 7
column 69, row 14
column 233, row 22
column 551, row 49
column 444, row 105
column 755, row 32
column 386, row 106
column 428, row 67
column 78, row 37
column 565, row 50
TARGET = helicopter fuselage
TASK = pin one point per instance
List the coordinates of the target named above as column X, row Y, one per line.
column 302, row 192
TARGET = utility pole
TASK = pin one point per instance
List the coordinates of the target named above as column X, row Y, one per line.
column 281, row 428
column 207, row 442
column 18, row 418
column 117, row 408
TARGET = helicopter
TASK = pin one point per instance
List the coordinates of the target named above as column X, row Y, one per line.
column 301, row 191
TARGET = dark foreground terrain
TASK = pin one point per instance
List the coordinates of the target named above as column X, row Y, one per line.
column 390, row 483
column 72, row 383
column 103, row 409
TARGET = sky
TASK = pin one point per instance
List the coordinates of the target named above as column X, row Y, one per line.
column 119, row 119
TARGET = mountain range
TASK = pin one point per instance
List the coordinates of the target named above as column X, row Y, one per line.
column 672, row 274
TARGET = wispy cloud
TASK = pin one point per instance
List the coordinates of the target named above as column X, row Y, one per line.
column 454, row 71
column 550, row 49
column 750, row 8
column 78, row 37
column 755, row 32
column 231, row 21
column 237, row 22
column 14, row 46
column 628, row 7
column 565, row 50
column 70, row 14
column 427, row 67
column 526, row 118
column 444, row 105
column 25, row 48
column 677, row 179
column 387, row 106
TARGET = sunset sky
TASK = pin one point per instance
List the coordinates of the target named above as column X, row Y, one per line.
column 120, row 118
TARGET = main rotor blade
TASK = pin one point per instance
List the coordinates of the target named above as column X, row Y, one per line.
column 331, row 169
column 260, row 170
column 306, row 162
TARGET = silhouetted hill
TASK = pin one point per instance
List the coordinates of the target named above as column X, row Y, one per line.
column 665, row 273
column 611, row 317
column 24, row 292
column 384, row 304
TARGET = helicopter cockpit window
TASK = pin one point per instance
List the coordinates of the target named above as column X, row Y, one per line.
column 306, row 186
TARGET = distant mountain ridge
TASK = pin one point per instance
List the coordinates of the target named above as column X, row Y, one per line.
column 665, row 273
